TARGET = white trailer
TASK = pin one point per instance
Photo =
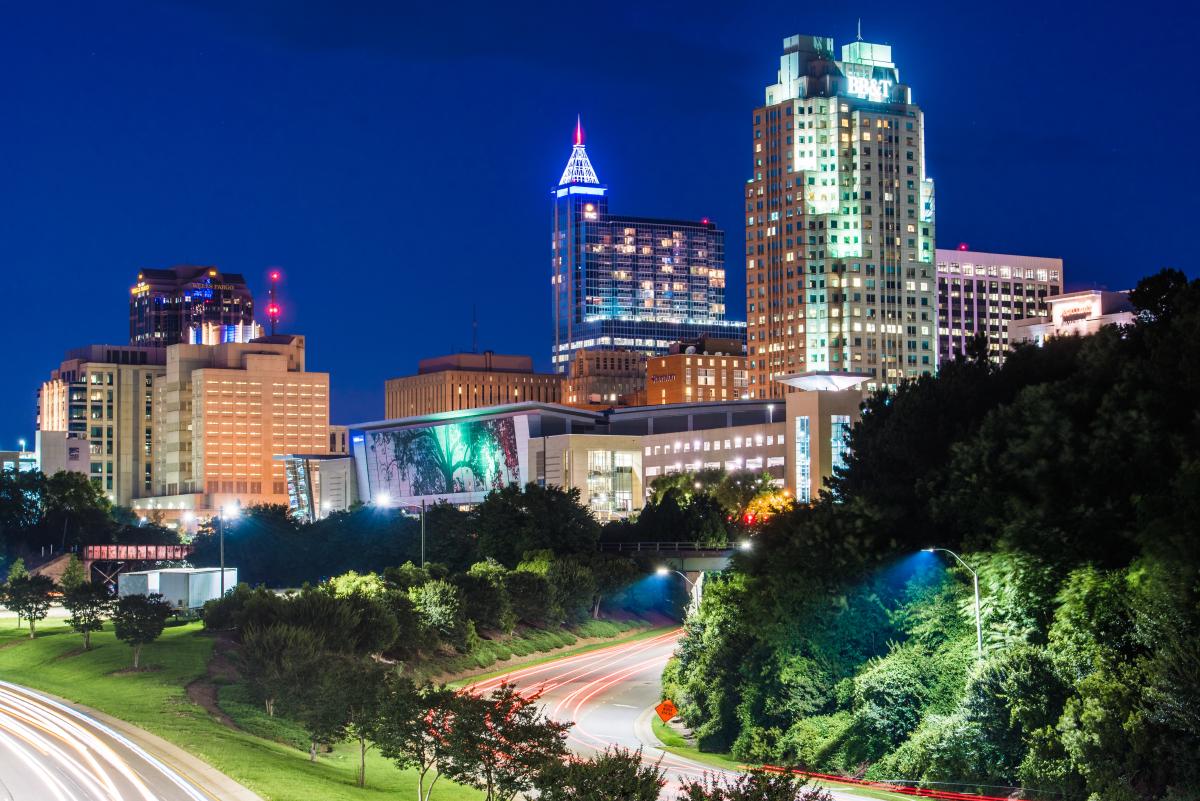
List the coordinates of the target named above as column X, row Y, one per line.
column 182, row 587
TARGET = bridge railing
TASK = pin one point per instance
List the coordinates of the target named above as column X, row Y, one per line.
column 135, row 553
column 664, row 547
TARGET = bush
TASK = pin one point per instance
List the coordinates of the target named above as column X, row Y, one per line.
column 440, row 610
column 529, row 594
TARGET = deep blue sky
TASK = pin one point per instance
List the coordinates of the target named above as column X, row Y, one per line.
column 395, row 162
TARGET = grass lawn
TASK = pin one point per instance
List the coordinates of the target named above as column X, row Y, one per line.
column 156, row 700
column 676, row 744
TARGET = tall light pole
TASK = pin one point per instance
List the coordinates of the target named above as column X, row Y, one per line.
column 227, row 512
column 975, row 578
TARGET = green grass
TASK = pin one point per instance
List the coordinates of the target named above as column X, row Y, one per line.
column 156, row 700
column 674, row 743
column 583, row 649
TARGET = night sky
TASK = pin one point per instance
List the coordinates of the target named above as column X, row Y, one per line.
column 396, row 162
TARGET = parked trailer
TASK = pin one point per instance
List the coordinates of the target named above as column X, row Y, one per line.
column 182, row 587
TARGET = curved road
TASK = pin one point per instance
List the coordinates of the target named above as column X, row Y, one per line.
column 51, row 752
column 609, row 695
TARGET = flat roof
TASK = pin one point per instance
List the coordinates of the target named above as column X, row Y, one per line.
column 480, row 413
column 824, row 380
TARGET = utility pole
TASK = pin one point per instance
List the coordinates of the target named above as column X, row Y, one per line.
column 422, row 532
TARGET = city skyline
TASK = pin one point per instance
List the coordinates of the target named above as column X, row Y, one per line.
column 247, row 154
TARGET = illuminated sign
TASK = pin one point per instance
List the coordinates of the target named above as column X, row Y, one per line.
column 873, row 89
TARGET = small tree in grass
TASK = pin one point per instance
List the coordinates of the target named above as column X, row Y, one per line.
column 501, row 742
column 73, row 576
column 140, row 619
column 16, row 571
column 29, row 597
column 410, row 728
column 89, row 603
column 616, row 773
column 341, row 700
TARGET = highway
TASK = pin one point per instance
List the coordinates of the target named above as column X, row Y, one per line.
column 51, row 752
column 609, row 695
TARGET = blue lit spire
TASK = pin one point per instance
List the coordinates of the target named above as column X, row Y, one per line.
column 579, row 167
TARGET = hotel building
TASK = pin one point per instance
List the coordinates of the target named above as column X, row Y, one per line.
column 982, row 293
column 629, row 283
column 104, row 394
column 705, row 369
column 223, row 413
column 190, row 304
column 1074, row 314
column 839, row 221
column 468, row 381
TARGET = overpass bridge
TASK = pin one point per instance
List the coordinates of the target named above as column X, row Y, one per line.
column 691, row 559
column 105, row 562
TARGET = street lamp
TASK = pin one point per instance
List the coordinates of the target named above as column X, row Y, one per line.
column 228, row 512
column 975, row 578
column 383, row 500
column 745, row 545
column 663, row 570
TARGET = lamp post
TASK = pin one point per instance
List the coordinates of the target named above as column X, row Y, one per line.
column 666, row 571
column 975, row 579
column 227, row 512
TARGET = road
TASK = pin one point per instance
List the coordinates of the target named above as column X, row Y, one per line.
column 609, row 695
column 51, row 752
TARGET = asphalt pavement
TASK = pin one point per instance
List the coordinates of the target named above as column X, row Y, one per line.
column 609, row 694
column 50, row 751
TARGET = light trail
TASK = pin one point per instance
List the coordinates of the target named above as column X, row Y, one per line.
column 60, row 754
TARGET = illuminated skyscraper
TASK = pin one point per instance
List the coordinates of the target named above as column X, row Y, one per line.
column 190, row 305
column 629, row 283
column 839, row 221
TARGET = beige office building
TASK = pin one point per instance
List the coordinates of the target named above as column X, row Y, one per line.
column 223, row 413
column 598, row 379
column 982, row 293
column 104, row 393
column 468, row 381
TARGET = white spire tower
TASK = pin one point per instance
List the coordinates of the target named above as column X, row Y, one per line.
column 579, row 166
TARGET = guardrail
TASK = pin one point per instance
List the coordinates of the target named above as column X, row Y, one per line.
column 917, row 792
column 661, row 547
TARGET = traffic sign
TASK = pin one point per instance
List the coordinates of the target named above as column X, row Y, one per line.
column 666, row 710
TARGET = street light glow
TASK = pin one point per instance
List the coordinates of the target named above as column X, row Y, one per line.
column 383, row 499
column 745, row 545
column 230, row 511
column 662, row 571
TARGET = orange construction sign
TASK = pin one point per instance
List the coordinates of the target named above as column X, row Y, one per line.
column 666, row 710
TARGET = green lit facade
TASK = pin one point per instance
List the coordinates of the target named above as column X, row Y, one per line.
column 839, row 221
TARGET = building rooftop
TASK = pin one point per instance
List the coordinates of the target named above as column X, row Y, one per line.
column 824, row 380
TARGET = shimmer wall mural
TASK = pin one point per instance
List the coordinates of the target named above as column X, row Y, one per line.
column 457, row 461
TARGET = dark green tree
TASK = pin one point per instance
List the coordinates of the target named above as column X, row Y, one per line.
column 139, row 620
column 615, row 773
column 29, row 597
column 89, row 604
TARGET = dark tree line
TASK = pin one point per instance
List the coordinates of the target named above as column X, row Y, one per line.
column 1069, row 479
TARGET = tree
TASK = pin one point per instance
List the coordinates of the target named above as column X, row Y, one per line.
column 15, row 571
column 278, row 661
column 339, row 697
column 440, row 609
column 73, row 576
column 530, row 596
column 617, row 774
column 500, row 743
column 410, row 727
column 89, row 603
column 513, row 520
column 611, row 573
column 754, row 786
column 29, row 597
column 140, row 619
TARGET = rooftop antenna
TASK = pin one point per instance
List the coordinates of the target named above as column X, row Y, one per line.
column 272, row 301
column 860, row 29
column 474, row 331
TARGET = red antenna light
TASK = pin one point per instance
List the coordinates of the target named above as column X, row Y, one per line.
column 963, row 246
column 578, row 130
column 273, row 310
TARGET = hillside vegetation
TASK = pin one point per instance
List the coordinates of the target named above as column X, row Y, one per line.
column 1070, row 480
